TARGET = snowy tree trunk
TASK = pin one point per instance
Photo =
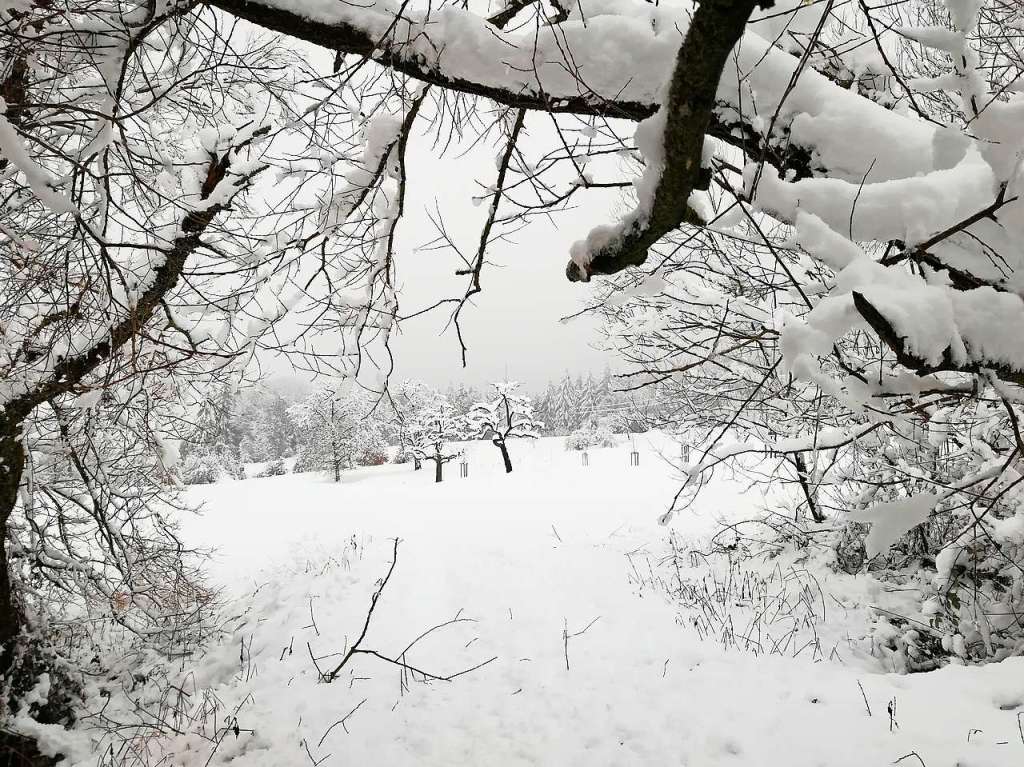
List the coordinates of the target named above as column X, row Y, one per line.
column 335, row 459
column 12, row 465
column 438, row 464
column 504, row 455
column 801, row 473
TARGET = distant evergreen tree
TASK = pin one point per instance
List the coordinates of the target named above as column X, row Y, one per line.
column 462, row 398
column 273, row 430
column 565, row 404
column 546, row 408
column 209, row 453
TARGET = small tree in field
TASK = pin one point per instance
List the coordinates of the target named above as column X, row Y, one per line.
column 336, row 429
column 434, row 428
column 507, row 415
column 409, row 401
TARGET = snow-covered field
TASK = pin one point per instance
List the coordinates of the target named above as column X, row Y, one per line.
column 585, row 664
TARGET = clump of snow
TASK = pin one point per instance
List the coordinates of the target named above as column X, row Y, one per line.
column 43, row 184
column 907, row 209
column 89, row 400
column 972, row 326
column 892, row 520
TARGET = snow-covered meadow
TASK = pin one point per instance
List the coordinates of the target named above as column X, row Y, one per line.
column 572, row 655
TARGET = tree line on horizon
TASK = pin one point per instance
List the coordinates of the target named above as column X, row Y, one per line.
column 339, row 425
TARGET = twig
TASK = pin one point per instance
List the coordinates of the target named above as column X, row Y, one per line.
column 320, row 674
column 863, row 695
column 566, row 636
column 341, row 722
column 369, row 616
column 911, row 754
column 312, row 619
column 426, row 674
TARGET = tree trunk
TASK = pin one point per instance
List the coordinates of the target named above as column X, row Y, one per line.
column 801, row 473
column 438, row 463
column 12, row 466
column 504, row 456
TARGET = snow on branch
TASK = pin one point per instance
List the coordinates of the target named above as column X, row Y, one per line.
column 462, row 51
column 674, row 153
column 615, row 63
column 893, row 519
column 936, row 329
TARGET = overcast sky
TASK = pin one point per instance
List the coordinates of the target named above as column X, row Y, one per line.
column 513, row 327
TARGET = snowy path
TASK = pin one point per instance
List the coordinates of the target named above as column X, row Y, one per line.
column 525, row 556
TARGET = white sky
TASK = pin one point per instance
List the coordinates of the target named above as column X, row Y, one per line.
column 513, row 326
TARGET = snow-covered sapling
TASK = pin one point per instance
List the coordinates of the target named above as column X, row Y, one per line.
column 505, row 416
column 430, row 434
column 337, row 430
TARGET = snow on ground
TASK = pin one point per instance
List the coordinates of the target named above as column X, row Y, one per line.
column 550, row 550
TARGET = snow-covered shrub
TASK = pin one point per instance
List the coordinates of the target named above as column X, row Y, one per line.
column 374, row 454
column 590, row 436
column 850, row 551
column 307, row 460
column 205, row 466
column 914, row 611
column 274, row 469
column 962, row 559
column 973, row 605
column 732, row 597
column 576, row 441
column 201, row 469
